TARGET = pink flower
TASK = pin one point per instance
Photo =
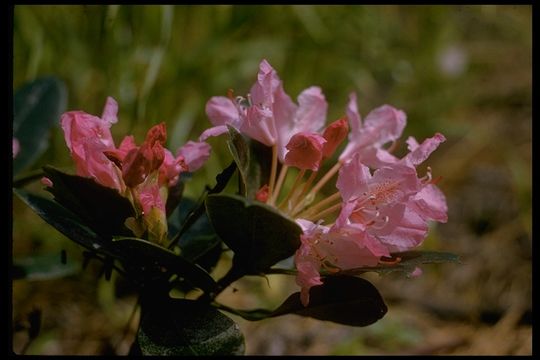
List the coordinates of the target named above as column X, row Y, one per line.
column 393, row 205
column 331, row 248
column 87, row 137
column 194, row 155
column 382, row 125
column 305, row 151
column 268, row 115
column 16, row 147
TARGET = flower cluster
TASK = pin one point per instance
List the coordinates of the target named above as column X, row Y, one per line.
column 380, row 206
column 143, row 174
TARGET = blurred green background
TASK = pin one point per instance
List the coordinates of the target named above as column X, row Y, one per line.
column 464, row 71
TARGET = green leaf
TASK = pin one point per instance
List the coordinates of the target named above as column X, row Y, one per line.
column 145, row 258
column 185, row 327
column 65, row 221
column 253, row 160
column 258, row 234
column 43, row 267
column 408, row 261
column 37, row 107
column 344, row 300
column 102, row 208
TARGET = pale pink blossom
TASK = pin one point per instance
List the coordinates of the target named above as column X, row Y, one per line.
column 381, row 126
column 268, row 115
column 88, row 137
column 333, row 249
column 393, row 204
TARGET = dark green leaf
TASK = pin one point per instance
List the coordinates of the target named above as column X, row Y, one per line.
column 253, row 160
column 37, row 107
column 102, row 208
column 142, row 256
column 258, row 234
column 341, row 299
column 43, row 267
column 65, row 221
column 185, row 327
column 408, row 261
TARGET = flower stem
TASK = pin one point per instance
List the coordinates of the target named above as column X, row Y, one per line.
column 281, row 179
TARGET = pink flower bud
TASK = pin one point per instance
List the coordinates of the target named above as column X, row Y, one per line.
column 305, row 151
column 334, row 134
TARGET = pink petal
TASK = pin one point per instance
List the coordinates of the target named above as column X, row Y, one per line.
column 394, row 183
column 259, row 125
column 353, row 179
column 213, row 131
column 410, row 233
column 222, row 111
column 262, row 92
column 355, row 121
column 375, row 157
column 385, row 124
column 169, row 170
column 311, row 114
column 284, row 110
column 195, row 154
column 430, row 204
column 150, row 197
column 110, row 111
column 412, row 144
column 422, row 152
column 305, row 151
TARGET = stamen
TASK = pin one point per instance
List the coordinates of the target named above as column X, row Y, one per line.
column 428, row 177
column 230, row 94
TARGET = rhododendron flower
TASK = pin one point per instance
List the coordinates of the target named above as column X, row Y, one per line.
column 330, row 248
column 268, row 115
column 87, row 137
column 381, row 126
column 142, row 173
